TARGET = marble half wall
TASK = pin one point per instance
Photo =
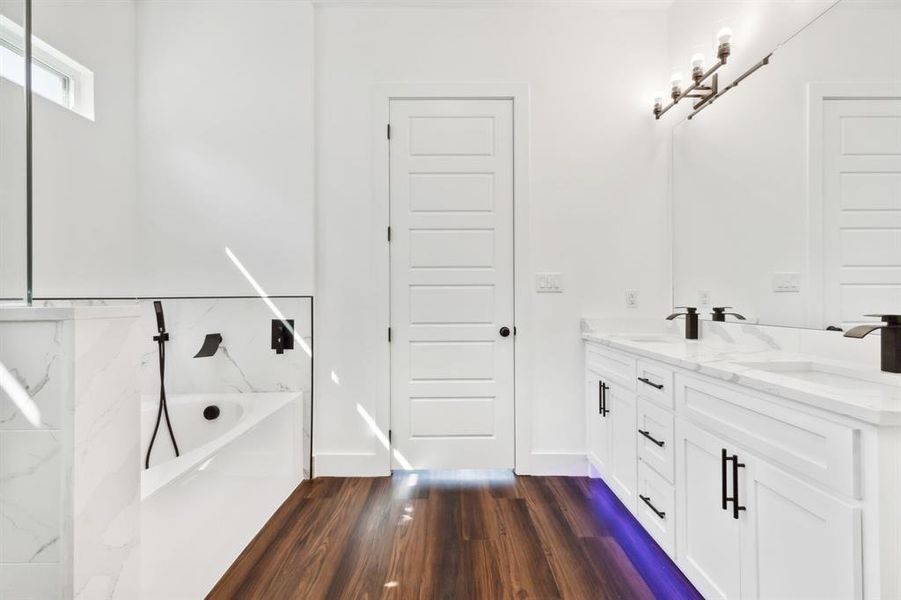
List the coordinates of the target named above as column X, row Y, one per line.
column 69, row 482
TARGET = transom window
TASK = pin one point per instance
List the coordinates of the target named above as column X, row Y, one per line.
column 54, row 75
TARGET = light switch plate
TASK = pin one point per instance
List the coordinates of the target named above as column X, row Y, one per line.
column 632, row 298
column 786, row 283
column 704, row 298
column 549, row 283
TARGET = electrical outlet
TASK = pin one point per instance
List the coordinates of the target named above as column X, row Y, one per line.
column 704, row 298
column 787, row 283
column 632, row 298
column 549, row 283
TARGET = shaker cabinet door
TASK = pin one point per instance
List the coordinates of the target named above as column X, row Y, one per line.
column 708, row 538
column 797, row 541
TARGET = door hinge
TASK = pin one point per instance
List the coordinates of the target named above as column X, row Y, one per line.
column 389, row 436
column 389, row 334
column 389, row 233
column 389, row 131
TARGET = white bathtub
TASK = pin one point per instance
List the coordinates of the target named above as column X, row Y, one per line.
column 199, row 439
column 200, row 510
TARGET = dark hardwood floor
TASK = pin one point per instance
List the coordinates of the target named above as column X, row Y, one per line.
column 444, row 535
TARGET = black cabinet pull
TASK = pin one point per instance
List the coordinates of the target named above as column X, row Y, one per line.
column 648, row 435
column 659, row 386
column 725, row 490
column 602, row 398
column 606, row 410
column 736, row 506
column 647, row 500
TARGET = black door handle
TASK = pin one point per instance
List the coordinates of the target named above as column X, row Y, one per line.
column 648, row 435
column 647, row 500
column 659, row 386
column 505, row 331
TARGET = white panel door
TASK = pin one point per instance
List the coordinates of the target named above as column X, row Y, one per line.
column 861, row 209
column 451, row 197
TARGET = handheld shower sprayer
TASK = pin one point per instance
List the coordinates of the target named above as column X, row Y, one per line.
column 160, row 320
column 161, row 338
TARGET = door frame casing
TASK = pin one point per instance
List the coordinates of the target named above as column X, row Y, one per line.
column 518, row 93
column 817, row 95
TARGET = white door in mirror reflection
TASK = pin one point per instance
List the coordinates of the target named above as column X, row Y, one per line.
column 451, row 196
column 861, row 208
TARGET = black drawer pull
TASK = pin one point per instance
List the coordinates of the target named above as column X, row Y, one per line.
column 647, row 500
column 648, row 435
column 659, row 386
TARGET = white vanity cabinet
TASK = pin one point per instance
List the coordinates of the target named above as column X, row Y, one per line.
column 783, row 538
column 752, row 495
column 611, row 417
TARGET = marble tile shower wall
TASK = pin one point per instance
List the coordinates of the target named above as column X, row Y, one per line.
column 245, row 361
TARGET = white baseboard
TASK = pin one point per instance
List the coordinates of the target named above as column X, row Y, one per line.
column 567, row 464
column 350, row 465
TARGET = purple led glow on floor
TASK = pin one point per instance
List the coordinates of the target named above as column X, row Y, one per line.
column 660, row 573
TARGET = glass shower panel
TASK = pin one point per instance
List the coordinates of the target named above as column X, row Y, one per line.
column 13, row 178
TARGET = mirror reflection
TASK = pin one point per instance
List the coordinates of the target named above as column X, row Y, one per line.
column 787, row 196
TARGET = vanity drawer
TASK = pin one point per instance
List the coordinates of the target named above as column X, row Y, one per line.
column 656, row 506
column 816, row 448
column 655, row 381
column 616, row 366
column 656, row 437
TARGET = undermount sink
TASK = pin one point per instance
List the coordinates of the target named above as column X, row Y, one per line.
column 823, row 374
column 648, row 337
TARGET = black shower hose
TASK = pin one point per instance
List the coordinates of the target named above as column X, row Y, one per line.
column 163, row 408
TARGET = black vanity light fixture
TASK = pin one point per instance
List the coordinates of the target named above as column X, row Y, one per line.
column 704, row 93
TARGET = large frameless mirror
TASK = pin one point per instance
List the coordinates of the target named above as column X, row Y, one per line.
column 787, row 191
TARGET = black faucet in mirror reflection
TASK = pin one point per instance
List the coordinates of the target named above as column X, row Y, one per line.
column 691, row 321
column 890, row 330
column 719, row 314
column 161, row 338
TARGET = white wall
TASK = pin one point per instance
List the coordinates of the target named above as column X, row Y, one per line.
column 85, row 204
column 598, row 188
column 225, row 132
column 741, row 173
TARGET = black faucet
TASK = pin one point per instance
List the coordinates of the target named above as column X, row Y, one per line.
column 719, row 314
column 891, row 340
column 691, row 321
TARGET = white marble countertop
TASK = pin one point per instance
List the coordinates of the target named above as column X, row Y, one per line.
column 853, row 389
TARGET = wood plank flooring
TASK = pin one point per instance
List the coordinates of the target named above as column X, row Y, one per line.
column 437, row 535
